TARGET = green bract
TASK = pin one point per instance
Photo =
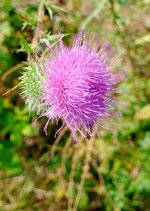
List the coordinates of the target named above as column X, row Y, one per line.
column 31, row 88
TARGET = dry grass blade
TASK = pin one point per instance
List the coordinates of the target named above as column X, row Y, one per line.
column 9, row 91
column 65, row 153
column 95, row 12
column 84, row 172
column 62, row 132
column 11, row 70
column 71, row 179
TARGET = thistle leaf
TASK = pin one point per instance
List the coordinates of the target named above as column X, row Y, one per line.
column 25, row 47
column 52, row 38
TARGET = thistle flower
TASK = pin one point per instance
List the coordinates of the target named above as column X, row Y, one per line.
column 77, row 84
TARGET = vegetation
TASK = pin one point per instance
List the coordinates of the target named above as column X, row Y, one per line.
column 39, row 172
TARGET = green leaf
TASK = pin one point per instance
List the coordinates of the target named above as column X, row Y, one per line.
column 56, row 8
column 122, row 1
column 28, row 130
column 51, row 8
column 54, row 162
column 84, row 200
column 16, row 138
column 141, row 185
column 1, row 106
column 25, row 47
column 49, row 11
column 28, row 21
column 9, row 159
column 145, row 144
column 53, row 38
column 9, row 118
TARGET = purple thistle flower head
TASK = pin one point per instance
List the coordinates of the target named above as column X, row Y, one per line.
column 78, row 84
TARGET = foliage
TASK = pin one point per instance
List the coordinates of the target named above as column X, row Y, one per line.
column 39, row 172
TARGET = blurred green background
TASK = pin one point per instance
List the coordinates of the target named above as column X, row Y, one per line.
column 38, row 172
